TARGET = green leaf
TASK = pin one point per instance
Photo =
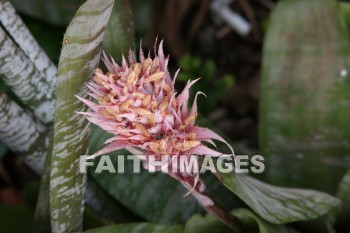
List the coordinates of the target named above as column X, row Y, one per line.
column 105, row 205
column 58, row 12
column 42, row 219
column 304, row 112
column 279, row 205
column 205, row 224
column 120, row 34
column 344, row 195
column 251, row 222
column 79, row 57
column 137, row 227
column 92, row 220
column 200, row 224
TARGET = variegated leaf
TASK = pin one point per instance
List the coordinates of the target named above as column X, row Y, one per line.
column 79, row 57
column 18, row 31
column 22, row 133
column 25, row 80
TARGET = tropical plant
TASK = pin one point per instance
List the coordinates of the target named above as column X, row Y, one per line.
column 39, row 120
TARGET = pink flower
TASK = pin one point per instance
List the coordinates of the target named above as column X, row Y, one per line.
column 136, row 101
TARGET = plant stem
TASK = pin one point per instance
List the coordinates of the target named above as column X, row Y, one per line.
column 208, row 204
column 225, row 217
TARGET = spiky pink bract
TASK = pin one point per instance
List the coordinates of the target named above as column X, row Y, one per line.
column 136, row 101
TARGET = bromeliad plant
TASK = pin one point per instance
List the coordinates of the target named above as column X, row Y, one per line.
column 136, row 102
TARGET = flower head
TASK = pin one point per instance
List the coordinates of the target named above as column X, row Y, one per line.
column 137, row 103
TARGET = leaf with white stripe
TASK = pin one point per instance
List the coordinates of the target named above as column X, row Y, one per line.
column 280, row 205
column 79, row 57
column 29, row 84
column 22, row 133
column 19, row 32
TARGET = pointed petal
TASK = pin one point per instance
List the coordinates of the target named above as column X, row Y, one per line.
column 110, row 148
column 161, row 56
column 92, row 105
column 203, row 150
column 141, row 55
column 124, row 63
column 174, row 79
column 107, row 62
column 183, row 98
column 205, row 133
column 131, row 56
column 194, row 106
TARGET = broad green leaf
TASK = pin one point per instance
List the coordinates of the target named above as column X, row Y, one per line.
column 251, row 222
column 200, row 224
column 138, row 227
column 92, row 220
column 304, row 114
column 58, row 12
column 79, row 57
column 205, row 224
column 105, row 205
column 279, row 205
column 344, row 195
column 120, row 34
column 155, row 197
